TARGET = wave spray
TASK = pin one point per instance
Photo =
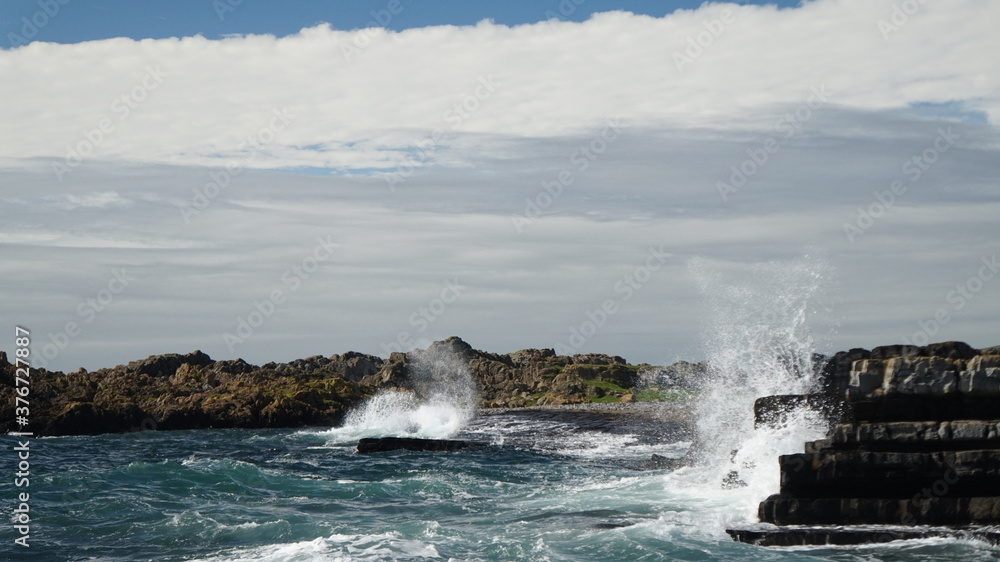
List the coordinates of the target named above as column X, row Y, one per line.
column 759, row 343
column 440, row 401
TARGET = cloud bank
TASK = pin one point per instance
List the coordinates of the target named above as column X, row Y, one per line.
column 362, row 99
column 544, row 170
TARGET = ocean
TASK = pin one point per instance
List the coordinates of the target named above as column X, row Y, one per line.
column 567, row 484
column 541, row 486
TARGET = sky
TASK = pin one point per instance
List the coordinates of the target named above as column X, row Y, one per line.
column 636, row 178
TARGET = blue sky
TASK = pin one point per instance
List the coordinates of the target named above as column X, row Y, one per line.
column 725, row 172
column 88, row 20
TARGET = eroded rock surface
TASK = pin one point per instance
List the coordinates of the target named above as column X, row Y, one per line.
column 914, row 440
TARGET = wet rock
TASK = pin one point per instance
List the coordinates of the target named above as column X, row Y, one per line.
column 818, row 536
column 918, row 443
column 836, row 374
column 370, row 445
column 658, row 462
column 960, row 512
column 682, row 374
column 610, row 525
column 773, row 411
column 732, row 481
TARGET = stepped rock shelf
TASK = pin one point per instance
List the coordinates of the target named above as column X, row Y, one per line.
column 913, row 451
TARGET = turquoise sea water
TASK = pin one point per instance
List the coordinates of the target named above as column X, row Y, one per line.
column 542, row 487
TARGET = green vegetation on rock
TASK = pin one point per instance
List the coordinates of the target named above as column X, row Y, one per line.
column 192, row 391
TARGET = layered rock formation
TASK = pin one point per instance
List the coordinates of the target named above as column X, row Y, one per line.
column 915, row 440
column 192, row 391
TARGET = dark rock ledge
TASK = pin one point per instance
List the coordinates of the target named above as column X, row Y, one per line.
column 370, row 445
column 913, row 451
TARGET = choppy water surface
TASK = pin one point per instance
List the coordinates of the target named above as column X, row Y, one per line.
column 544, row 487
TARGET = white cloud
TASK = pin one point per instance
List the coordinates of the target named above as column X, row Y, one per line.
column 556, row 84
column 550, row 79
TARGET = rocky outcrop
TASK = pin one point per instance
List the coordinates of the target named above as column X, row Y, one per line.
column 530, row 377
column 915, row 441
column 175, row 391
column 191, row 391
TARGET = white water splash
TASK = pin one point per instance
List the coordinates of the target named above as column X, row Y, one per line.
column 442, row 403
column 759, row 344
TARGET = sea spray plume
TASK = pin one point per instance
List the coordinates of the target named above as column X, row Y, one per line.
column 440, row 373
column 438, row 401
column 759, row 343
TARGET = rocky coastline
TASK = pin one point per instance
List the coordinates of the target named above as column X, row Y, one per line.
column 913, row 450
column 192, row 391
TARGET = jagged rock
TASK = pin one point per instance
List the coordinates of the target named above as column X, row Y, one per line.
column 950, row 350
column 355, row 366
column 188, row 391
column 981, row 376
column 598, row 359
column 681, row 374
column 234, row 367
column 836, row 374
column 531, row 356
column 918, row 444
column 184, row 391
column 166, row 365
column 908, row 375
column 452, row 346
column 890, row 351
